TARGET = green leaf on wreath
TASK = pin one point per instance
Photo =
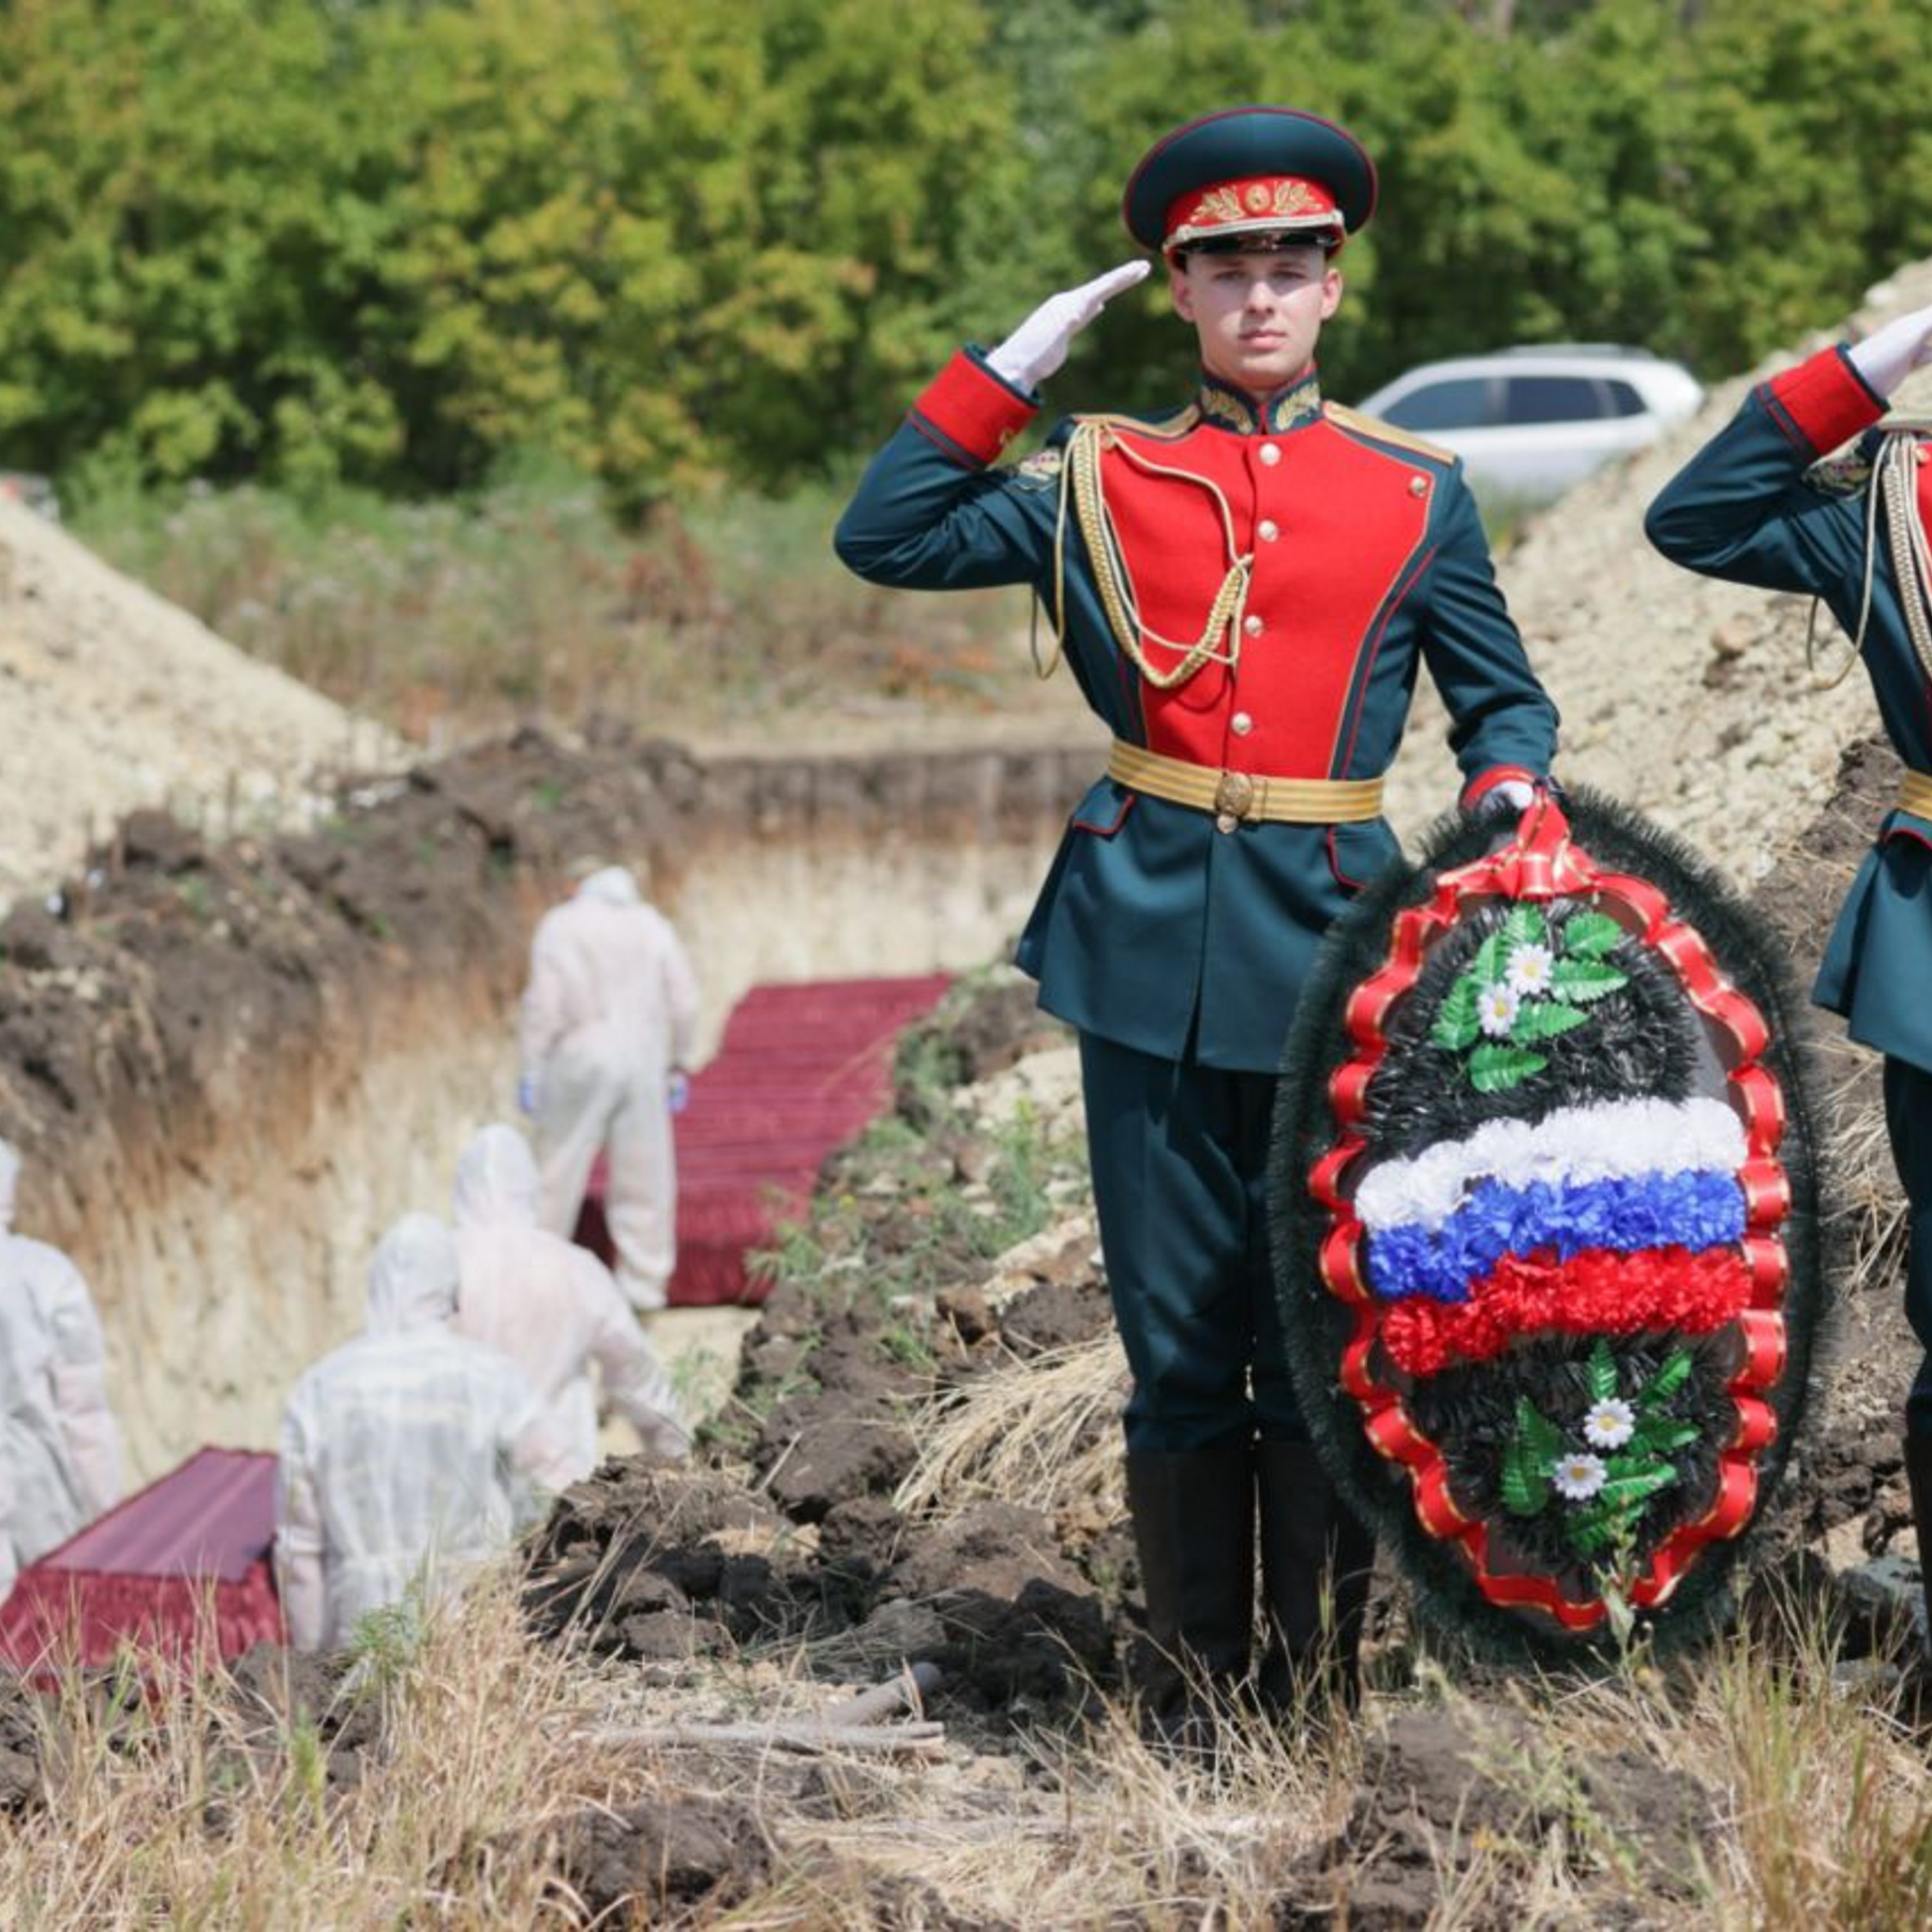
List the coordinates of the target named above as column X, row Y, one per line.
column 1540, row 1439
column 1625, row 1492
column 1588, row 1534
column 1544, row 1020
column 1526, row 1488
column 1456, row 1025
column 1589, row 935
column 1667, row 1380
column 1582, row 980
column 1662, row 1434
column 1486, row 969
column 1600, row 1372
column 1525, row 926
column 1495, row 1068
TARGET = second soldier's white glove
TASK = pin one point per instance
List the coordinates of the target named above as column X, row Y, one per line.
column 1038, row 346
column 1889, row 355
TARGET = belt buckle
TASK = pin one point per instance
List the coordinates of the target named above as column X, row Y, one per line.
column 1234, row 795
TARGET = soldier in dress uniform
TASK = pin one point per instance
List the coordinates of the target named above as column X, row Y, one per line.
column 1245, row 589
column 1757, row 506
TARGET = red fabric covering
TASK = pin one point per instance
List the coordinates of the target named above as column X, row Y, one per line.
column 188, row 1557
column 800, row 1068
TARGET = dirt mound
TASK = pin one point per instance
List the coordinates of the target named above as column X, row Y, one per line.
column 1437, row 1786
column 112, row 698
column 679, row 1861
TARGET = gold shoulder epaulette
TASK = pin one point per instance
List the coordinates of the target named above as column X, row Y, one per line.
column 1382, row 432
column 1163, row 428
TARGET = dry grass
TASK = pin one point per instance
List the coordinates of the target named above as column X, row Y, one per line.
column 1029, row 1434
column 189, row 1810
column 1818, row 1805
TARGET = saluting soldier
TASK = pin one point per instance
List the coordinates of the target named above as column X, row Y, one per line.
column 1757, row 506
column 1244, row 589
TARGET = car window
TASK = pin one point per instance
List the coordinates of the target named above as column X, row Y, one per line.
column 1460, row 402
column 1551, row 399
column 1624, row 400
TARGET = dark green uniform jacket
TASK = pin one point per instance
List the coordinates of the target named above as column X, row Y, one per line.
column 1745, row 509
column 1343, row 555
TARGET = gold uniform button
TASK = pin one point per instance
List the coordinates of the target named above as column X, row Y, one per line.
column 1270, row 453
column 1418, row 486
column 1241, row 723
column 1253, row 625
column 1225, row 821
column 1267, row 530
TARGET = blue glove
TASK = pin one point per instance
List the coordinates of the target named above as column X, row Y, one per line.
column 526, row 1094
column 677, row 1090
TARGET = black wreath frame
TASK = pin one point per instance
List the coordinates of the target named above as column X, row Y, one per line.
column 1317, row 1325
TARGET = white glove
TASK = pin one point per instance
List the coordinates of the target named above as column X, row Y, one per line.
column 1889, row 355
column 1507, row 798
column 1038, row 346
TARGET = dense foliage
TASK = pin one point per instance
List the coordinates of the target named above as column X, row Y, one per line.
column 389, row 241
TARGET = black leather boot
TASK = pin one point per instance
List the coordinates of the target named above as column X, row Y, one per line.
column 1316, row 1561
column 1919, row 1477
column 1194, row 1527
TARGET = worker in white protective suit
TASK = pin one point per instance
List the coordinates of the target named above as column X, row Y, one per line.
column 60, row 1452
column 552, row 1307
column 609, row 1019
column 409, row 1456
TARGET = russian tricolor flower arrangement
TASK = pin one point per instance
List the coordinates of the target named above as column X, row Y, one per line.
column 1544, row 1223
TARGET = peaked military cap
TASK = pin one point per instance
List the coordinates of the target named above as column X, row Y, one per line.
column 1250, row 171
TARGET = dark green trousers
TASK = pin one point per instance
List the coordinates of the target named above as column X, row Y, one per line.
column 1180, row 1160
column 1908, row 1120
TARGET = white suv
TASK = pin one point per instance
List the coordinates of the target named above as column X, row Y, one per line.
column 1529, row 422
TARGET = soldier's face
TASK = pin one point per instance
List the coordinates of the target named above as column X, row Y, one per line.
column 1259, row 316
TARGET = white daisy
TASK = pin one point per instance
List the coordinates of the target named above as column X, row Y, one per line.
column 1531, row 970
column 1578, row 1476
column 1496, row 1010
column 1609, row 1425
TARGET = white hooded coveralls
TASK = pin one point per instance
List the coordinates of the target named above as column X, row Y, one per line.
column 410, row 1452
column 552, row 1307
column 611, row 1008
column 60, row 1452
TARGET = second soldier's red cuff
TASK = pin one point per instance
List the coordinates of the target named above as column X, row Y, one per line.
column 1821, row 403
column 972, row 410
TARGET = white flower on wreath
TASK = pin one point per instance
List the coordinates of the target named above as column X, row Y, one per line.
column 1496, row 1009
column 1578, row 1477
column 1532, row 969
column 1609, row 1425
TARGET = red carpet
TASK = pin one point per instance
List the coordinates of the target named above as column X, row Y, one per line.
column 801, row 1067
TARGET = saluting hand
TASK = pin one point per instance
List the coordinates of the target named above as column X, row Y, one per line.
column 1038, row 346
column 1889, row 355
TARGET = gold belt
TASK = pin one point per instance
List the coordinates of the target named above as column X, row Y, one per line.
column 1915, row 794
column 1245, row 795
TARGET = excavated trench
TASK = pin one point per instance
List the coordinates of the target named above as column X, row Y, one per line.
column 228, row 1067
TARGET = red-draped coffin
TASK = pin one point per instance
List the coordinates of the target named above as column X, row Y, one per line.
column 183, row 1563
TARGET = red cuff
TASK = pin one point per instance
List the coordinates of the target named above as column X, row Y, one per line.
column 973, row 409
column 1488, row 780
column 1823, row 401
